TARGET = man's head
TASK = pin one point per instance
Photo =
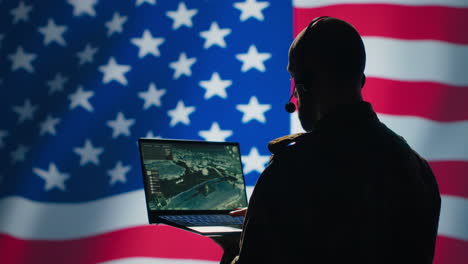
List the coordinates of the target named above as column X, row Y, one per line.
column 326, row 59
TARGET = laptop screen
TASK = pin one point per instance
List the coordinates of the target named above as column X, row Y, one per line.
column 192, row 175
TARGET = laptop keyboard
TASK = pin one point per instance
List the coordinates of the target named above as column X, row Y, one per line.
column 204, row 220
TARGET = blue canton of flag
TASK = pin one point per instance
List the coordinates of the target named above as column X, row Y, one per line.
column 82, row 80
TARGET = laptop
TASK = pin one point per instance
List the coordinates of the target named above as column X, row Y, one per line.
column 193, row 185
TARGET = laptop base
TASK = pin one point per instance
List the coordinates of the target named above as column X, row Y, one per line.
column 205, row 230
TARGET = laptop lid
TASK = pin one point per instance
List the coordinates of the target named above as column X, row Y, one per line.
column 191, row 177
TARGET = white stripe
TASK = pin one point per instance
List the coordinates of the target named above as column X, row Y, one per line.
column 435, row 141
column 28, row 219
column 320, row 3
column 158, row 261
column 454, row 217
column 25, row 219
column 417, row 60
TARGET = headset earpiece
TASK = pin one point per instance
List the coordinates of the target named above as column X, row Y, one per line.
column 289, row 106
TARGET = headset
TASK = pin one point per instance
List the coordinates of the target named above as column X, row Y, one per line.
column 290, row 107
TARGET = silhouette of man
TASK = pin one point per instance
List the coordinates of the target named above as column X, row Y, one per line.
column 349, row 190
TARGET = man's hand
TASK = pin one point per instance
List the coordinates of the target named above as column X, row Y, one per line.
column 238, row 212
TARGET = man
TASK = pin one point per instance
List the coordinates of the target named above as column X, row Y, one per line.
column 349, row 190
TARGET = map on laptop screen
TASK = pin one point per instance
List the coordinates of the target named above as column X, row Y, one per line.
column 190, row 176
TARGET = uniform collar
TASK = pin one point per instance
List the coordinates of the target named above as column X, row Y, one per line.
column 340, row 119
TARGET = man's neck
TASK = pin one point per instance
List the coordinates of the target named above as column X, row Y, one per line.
column 331, row 105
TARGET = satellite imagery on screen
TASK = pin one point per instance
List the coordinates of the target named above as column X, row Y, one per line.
column 193, row 177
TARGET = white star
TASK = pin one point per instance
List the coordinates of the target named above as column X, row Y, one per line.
column 19, row 154
column 3, row 134
column 253, row 110
column 114, row 71
column 147, row 44
column 26, row 111
column 49, row 125
column 215, row 36
column 115, row 25
column 56, row 85
column 140, row 2
column 81, row 7
column 150, row 134
column 88, row 153
column 251, row 8
column 152, row 96
column 180, row 114
column 253, row 59
column 215, row 133
column 182, row 66
column 81, row 98
column 117, row 174
column 53, row 32
column 22, row 60
column 21, row 12
column 215, row 86
column 254, row 161
column 182, row 16
column 120, row 126
column 53, row 177
column 87, row 55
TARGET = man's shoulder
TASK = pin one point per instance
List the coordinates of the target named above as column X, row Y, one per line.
column 279, row 144
column 289, row 142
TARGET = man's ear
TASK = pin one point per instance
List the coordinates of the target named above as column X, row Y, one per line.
column 363, row 81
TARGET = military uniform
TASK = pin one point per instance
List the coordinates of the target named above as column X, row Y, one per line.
column 350, row 191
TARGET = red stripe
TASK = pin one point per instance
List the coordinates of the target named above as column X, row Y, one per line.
column 144, row 241
column 452, row 177
column 394, row 21
column 424, row 99
column 450, row 251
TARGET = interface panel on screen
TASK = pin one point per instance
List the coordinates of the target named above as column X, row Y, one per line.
column 191, row 176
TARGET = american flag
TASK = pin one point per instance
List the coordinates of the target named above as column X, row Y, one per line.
column 81, row 80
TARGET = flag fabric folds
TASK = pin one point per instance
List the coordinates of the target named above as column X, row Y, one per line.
column 82, row 80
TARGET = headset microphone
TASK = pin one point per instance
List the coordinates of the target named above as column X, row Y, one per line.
column 290, row 107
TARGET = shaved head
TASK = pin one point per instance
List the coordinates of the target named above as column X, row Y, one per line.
column 327, row 59
column 331, row 46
